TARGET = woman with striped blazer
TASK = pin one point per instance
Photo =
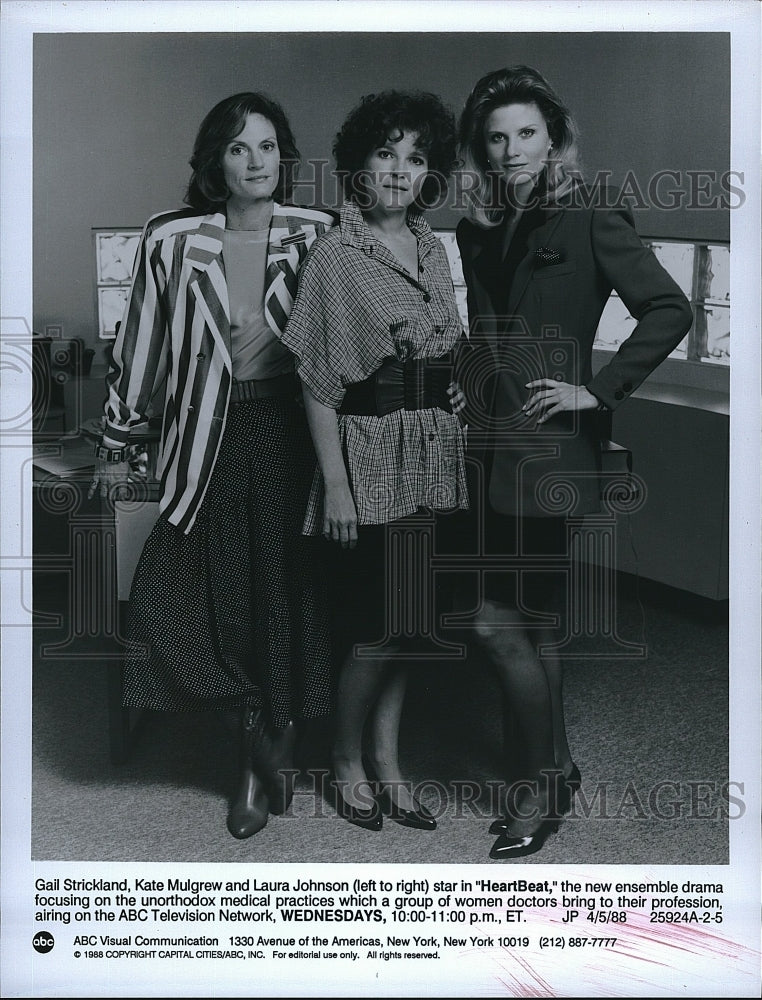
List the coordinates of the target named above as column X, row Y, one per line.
column 227, row 609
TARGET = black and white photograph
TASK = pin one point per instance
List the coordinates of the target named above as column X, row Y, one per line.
column 380, row 546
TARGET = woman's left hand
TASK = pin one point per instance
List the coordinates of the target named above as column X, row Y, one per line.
column 457, row 398
column 551, row 397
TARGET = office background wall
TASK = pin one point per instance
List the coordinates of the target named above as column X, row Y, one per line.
column 115, row 116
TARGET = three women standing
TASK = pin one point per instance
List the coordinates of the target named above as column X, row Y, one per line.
column 227, row 609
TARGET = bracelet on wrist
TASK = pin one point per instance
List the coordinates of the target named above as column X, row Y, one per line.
column 110, row 455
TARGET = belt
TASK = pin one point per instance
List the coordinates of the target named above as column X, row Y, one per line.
column 419, row 384
column 262, row 388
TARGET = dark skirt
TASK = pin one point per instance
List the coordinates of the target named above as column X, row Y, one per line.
column 521, row 562
column 235, row 612
column 384, row 593
column 537, row 586
column 358, row 590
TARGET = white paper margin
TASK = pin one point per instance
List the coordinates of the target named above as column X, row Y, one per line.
column 26, row 974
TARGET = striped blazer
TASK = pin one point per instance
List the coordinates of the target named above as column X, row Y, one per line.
column 176, row 327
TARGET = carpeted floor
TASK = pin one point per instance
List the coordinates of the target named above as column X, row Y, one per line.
column 649, row 735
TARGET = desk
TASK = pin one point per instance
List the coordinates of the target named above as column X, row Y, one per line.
column 95, row 544
column 682, row 451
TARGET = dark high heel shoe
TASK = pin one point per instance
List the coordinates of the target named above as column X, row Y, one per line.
column 508, row 846
column 249, row 810
column 419, row 818
column 366, row 819
column 500, row 825
column 573, row 779
column 273, row 758
column 567, row 788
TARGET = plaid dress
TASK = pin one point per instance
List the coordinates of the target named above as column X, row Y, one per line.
column 357, row 307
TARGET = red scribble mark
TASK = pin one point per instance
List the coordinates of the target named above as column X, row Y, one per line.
column 639, row 932
column 537, row 987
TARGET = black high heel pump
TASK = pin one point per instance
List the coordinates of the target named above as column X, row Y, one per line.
column 507, row 846
column 419, row 818
column 567, row 789
column 366, row 819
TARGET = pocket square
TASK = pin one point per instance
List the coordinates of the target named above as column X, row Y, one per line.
column 546, row 256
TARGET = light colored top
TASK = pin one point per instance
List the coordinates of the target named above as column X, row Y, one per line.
column 256, row 351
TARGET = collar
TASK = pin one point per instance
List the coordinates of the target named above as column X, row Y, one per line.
column 543, row 203
column 356, row 232
column 205, row 245
column 216, row 221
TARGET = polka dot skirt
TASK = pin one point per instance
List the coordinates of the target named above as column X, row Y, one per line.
column 234, row 613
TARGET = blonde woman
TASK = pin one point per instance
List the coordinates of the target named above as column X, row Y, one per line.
column 541, row 254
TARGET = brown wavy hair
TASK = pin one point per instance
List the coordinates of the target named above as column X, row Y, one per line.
column 207, row 190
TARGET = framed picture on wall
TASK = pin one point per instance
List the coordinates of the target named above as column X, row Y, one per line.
column 114, row 252
column 111, row 303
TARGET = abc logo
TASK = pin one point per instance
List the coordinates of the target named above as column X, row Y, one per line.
column 43, row 942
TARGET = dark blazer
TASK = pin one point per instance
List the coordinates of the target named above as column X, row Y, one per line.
column 577, row 251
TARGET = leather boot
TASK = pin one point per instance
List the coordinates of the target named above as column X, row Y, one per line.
column 273, row 758
column 249, row 810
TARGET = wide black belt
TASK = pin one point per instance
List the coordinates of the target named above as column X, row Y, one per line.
column 401, row 385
